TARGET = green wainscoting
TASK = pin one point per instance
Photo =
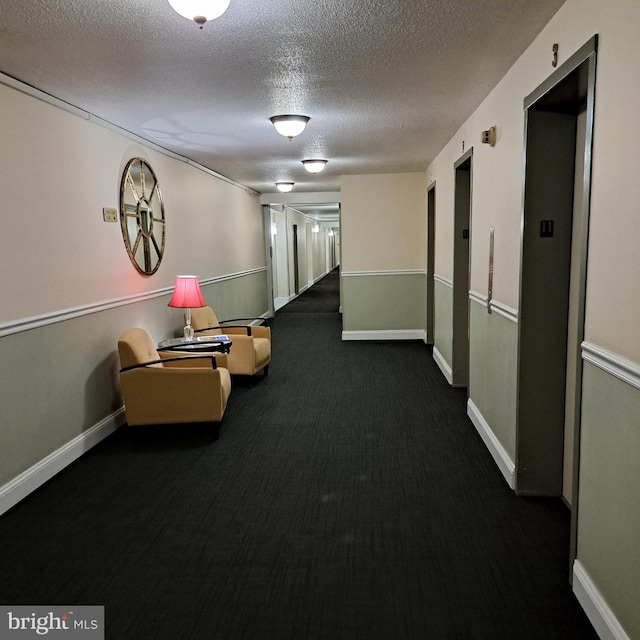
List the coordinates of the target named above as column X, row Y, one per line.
column 384, row 305
column 64, row 380
column 608, row 503
column 493, row 352
column 244, row 296
column 60, row 391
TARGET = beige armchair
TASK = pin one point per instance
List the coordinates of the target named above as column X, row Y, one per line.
column 251, row 344
column 165, row 388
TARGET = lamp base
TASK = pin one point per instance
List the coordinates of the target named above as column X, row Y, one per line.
column 188, row 332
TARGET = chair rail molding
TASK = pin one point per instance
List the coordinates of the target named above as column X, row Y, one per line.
column 398, row 272
column 501, row 309
column 443, row 280
column 615, row 365
column 35, row 322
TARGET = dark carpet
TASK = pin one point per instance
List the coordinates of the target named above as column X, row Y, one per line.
column 322, row 297
column 348, row 497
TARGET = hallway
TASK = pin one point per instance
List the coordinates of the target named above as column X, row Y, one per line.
column 348, row 497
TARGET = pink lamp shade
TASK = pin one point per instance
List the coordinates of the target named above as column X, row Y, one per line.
column 187, row 293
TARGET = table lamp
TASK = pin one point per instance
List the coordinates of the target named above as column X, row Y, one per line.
column 186, row 295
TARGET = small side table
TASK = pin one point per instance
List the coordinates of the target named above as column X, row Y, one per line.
column 199, row 344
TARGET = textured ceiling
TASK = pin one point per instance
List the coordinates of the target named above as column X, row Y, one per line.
column 385, row 82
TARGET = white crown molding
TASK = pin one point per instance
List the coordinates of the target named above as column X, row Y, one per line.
column 35, row 322
column 29, row 90
column 322, row 197
column 49, row 99
column 616, row 365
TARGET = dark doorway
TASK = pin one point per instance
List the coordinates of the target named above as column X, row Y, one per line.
column 555, row 223
column 296, row 268
column 431, row 248
column 461, row 247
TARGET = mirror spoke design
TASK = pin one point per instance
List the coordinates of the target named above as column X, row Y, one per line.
column 142, row 181
column 155, row 246
column 142, row 216
column 133, row 187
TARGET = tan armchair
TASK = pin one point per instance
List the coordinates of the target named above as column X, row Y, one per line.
column 251, row 344
column 165, row 388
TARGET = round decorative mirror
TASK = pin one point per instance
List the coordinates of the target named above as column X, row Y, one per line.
column 142, row 216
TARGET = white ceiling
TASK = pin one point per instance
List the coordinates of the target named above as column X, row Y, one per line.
column 385, row 82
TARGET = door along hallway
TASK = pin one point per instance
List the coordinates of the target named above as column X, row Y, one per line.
column 348, row 496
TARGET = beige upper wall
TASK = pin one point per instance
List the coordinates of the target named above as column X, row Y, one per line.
column 613, row 305
column 613, row 278
column 57, row 172
column 383, row 222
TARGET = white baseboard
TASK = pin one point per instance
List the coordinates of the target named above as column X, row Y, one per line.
column 21, row 486
column 442, row 364
column 278, row 303
column 500, row 456
column 604, row 622
column 399, row 334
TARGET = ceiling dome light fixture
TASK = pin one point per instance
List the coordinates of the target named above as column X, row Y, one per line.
column 314, row 166
column 289, row 126
column 285, row 187
column 200, row 11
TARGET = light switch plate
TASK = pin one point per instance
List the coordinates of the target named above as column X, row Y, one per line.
column 109, row 214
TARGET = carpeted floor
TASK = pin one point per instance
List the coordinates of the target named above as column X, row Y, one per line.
column 348, row 497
